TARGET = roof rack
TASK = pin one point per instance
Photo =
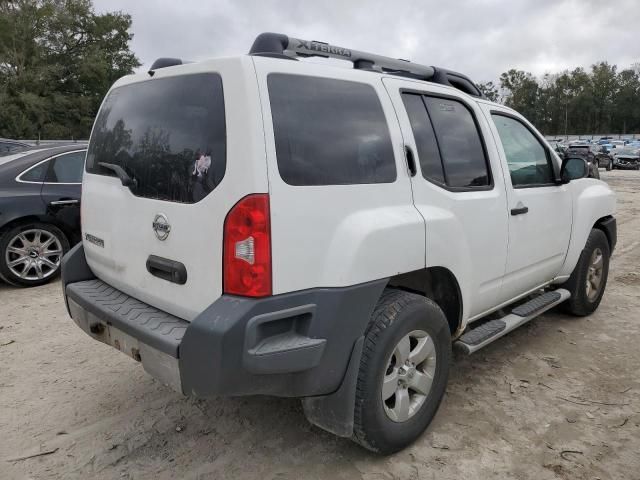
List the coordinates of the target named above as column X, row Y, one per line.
column 282, row 46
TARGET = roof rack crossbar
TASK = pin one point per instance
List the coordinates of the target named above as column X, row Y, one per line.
column 278, row 45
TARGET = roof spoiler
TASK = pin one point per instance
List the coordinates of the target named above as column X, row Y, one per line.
column 282, row 46
column 163, row 62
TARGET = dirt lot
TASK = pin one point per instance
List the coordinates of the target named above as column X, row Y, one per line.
column 559, row 398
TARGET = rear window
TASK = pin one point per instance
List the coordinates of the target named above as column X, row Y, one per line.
column 329, row 132
column 167, row 133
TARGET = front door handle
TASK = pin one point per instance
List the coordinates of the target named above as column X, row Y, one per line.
column 520, row 209
column 65, row 202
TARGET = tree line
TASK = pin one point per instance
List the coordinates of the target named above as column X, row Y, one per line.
column 57, row 60
column 600, row 100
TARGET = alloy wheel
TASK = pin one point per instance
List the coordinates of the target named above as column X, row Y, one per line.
column 594, row 274
column 34, row 254
column 408, row 377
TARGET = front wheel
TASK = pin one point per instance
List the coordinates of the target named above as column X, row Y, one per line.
column 610, row 166
column 403, row 371
column 30, row 254
column 589, row 278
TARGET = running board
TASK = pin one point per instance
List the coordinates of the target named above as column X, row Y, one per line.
column 481, row 336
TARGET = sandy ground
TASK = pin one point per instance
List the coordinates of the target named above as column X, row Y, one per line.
column 558, row 398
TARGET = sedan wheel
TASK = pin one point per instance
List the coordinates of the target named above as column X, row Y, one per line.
column 31, row 254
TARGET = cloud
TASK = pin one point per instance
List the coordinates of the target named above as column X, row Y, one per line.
column 481, row 38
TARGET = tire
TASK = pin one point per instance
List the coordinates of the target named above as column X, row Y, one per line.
column 610, row 166
column 41, row 258
column 397, row 316
column 583, row 301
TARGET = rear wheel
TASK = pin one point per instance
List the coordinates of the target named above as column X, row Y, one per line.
column 30, row 254
column 589, row 279
column 403, row 371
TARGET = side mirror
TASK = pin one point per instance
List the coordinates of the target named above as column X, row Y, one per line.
column 573, row 168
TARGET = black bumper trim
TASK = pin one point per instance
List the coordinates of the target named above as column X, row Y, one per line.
column 610, row 227
column 296, row 344
column 149, row 325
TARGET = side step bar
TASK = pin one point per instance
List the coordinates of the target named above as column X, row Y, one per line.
column 479, row 337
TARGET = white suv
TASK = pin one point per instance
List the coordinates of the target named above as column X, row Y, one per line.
column 267, row 225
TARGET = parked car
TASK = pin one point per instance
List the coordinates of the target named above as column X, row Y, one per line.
column 627, row 158
column 603, row 156
column 587, row 152
column 618, row 143
column 302, row 229
column 8, row 146
column 39, row 212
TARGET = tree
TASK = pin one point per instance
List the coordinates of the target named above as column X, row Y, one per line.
column 489, row 90
column 521, row 92
column 57, row 60
column 597, row 101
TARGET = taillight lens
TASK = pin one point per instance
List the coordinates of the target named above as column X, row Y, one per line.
column 247, row 247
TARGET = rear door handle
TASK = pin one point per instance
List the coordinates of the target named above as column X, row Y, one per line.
column 65, row 202
column 520, row 209
column 411, row 161
column 167, row 269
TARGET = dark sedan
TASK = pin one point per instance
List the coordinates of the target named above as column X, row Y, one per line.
column 627, row 158
column 39, row 211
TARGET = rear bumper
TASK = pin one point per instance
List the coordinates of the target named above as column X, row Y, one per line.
column 295, row 345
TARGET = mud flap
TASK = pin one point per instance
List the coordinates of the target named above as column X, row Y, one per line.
column 334, row 412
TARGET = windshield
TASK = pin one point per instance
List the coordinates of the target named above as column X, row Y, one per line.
column 629, row 151
column 168, row 134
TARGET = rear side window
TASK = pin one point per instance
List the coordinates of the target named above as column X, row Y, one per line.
column 329, row 132
column 463, row 156
column 529, row 163
column 66, row 168
column 425, row 138
column 167, row 133
column 35, row 174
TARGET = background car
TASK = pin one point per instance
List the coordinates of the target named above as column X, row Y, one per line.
column 603, row 156
column 584, row 150
column 627, row 158
column 39, row 211
column 8, row 146
column 618, row 143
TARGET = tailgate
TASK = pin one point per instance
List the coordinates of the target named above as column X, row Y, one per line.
column 168, row 157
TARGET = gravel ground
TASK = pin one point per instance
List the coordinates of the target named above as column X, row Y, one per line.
column 557, row 398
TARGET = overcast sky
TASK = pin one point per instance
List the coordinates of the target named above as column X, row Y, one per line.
column 481, row 38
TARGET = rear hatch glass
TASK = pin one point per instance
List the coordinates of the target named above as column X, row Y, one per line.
column 168, row 134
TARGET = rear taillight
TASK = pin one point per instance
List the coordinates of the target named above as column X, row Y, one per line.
column 247, row 248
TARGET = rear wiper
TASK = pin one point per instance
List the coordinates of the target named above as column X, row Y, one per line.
column 126, row 180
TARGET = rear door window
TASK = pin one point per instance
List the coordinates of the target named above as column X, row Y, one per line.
column 66, row 168
column 167, row 133
column 449, row 146
column 463, row 156
column 329, row 132
column 425, row 138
